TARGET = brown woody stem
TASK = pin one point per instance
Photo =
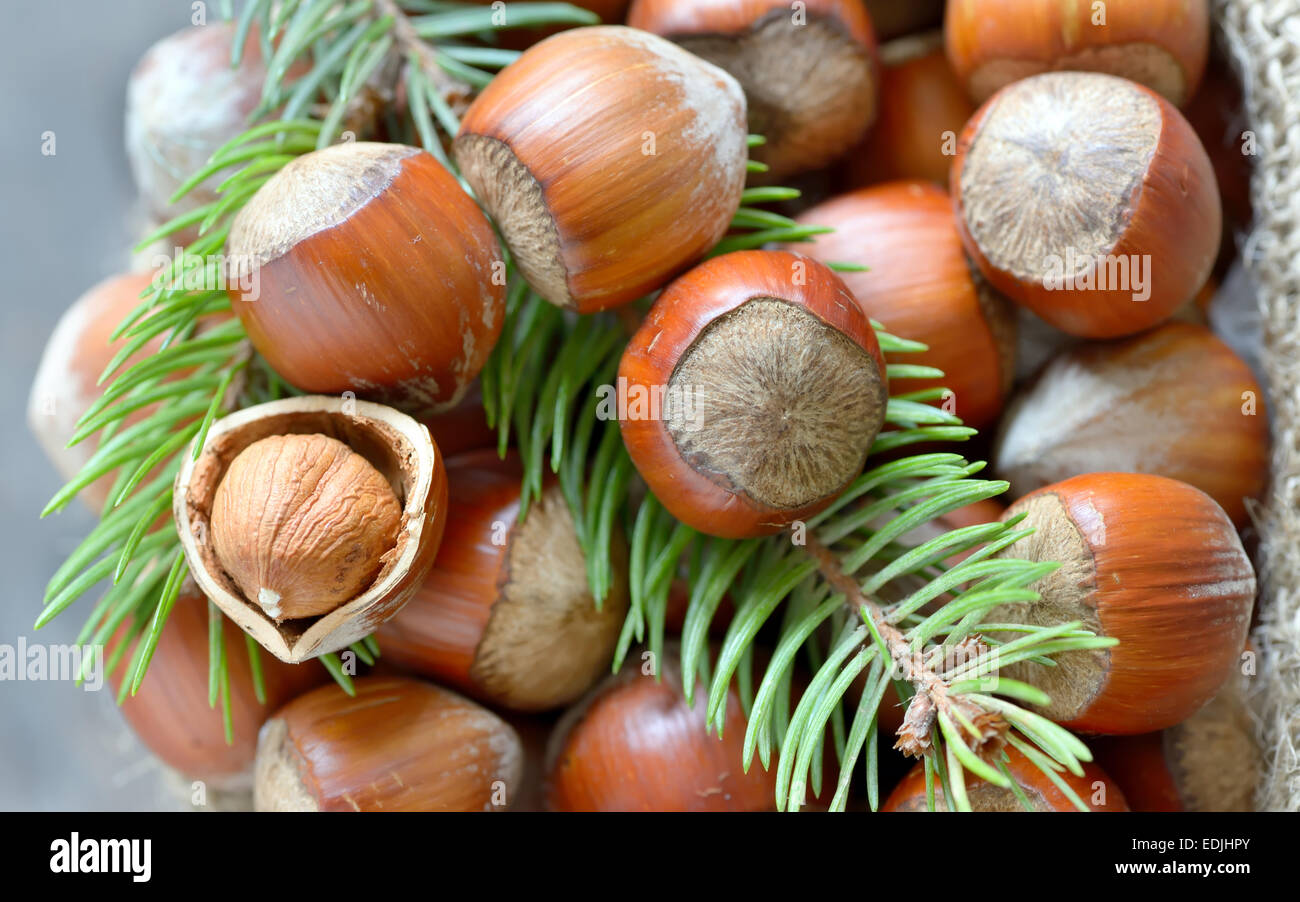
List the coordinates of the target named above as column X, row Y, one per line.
column 456, row 92
column 932, row 696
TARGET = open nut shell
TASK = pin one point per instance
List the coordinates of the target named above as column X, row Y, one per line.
column 398, row 446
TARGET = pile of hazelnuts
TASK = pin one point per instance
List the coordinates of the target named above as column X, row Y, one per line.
column 1032, row 193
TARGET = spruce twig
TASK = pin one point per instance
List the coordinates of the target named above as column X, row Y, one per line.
column 455, row 92
column 932, row 698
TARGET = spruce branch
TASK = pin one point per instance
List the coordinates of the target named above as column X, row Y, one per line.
column 451, row 90
column 927, row 672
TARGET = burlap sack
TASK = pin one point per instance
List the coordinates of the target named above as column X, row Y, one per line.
column 1262, row 38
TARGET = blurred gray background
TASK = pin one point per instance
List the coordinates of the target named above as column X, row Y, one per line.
column 66, row 224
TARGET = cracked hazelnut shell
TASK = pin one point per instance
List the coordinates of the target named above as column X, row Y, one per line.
column 772, row 389
column 393, row 443
column 370, row 270
column 611, row 160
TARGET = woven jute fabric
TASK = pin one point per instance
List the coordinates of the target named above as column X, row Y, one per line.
column 1263, row 39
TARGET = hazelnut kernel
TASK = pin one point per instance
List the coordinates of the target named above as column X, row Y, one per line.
column 301, row 524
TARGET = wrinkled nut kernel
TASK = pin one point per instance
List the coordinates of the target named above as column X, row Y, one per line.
column 302, row 523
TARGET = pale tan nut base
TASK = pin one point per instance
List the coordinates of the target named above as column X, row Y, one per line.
column 515, row 200
column 782, row 405
column 1078, row 676
column 546, row 642
column 1034, row 187
column 1145, row 64
column 1214, row 756
column 811, row 88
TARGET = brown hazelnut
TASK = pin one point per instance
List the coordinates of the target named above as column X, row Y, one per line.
column 1093, row 787
column 301, row 523
column 1162, row 44
column 634, row 744
column 809, row 70
column 171, row 714
column 365, row 267
column 506, row 614
column 611, row 160
column 922, row 105
column 397, row 745
column 1209, row 762
column 1174, row 401
column 775, row 385
column 67, row 381
column 1151, row 562
column 1089, row 200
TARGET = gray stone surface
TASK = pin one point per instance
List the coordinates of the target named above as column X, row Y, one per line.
column 65, row 226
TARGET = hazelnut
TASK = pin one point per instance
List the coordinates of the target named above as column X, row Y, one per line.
column 1175, row 401
column 464, row 427
column 183, row 101
column 311, row 520
column 1089, row 200
column 365, row 267
column 397, row 745
column 171, row 714
column 301, row 523
column 506, row 613
column 66, row 383
column 922, row 108
column 753, row 392
column 610, row 158
column 809, row 70
column 1209, row 762
column 1094, row 787
column 634, row 744
column 1162, row 44
column 1146, row 560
